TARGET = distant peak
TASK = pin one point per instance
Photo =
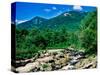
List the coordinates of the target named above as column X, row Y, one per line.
column 37, row 20
column 37, row 17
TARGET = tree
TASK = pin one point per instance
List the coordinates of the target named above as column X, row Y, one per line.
column 88, row 34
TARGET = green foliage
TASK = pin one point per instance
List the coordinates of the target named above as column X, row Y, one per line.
column 88, row 35
column 45, row 66
column 30, row 42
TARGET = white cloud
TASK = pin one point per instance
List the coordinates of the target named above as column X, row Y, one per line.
column 50, row 9
column 77, row 7
column 54, row 8
column 20, row 21
column 47, row 10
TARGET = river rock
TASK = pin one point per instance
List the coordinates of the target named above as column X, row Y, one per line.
column 68, row 67
column 47, row 54
column 73, row 62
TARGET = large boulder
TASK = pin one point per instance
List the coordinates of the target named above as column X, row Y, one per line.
column 28, row 67
column 45, row 59
column 89, row 62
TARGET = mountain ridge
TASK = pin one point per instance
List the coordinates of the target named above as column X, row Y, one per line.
column 66, row 19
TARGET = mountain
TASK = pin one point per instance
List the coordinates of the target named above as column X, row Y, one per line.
column 70, row 20
column 38, row 20
column 34, row 22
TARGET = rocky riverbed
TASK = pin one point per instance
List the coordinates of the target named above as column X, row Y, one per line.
column 56, row 59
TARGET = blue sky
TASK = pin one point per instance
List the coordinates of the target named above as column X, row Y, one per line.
column 26, row 11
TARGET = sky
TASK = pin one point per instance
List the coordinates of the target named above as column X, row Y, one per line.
column 26, row 11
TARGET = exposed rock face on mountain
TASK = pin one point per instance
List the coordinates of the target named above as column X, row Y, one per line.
column 60, row 59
